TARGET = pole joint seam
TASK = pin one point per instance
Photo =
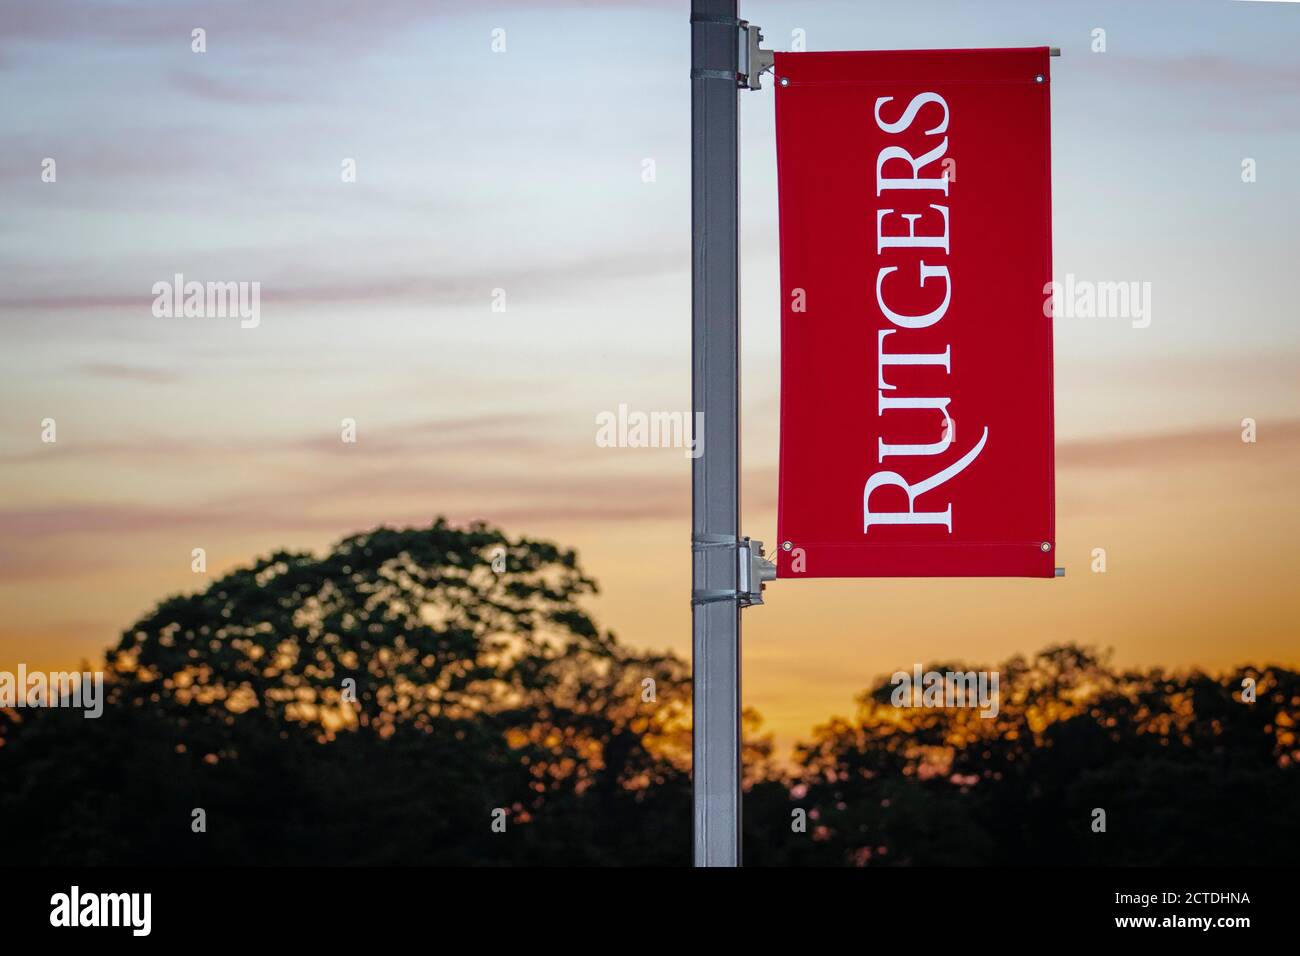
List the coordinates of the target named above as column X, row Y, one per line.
column 703, row 542
column 709, row 596
column 716, row 18
column 698, row 74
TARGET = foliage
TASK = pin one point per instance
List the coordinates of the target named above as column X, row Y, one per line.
column 1185, row 770
column 377, row 705
column 474, row 689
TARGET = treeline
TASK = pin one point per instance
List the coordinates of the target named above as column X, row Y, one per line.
column 438, row 696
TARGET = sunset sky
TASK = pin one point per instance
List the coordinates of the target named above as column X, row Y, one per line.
column 523, row 171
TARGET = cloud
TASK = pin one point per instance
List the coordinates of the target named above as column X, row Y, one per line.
column 1225, row 74
column 129, row 373
column 1161, row 449
column 148, row 21
column 472, row 284
column 205, row 87
column 557, row 497
column 26, row 566
column 501, row 433
column 334, row 25
column 526, row 477
column 89, row 157
column 471, row 433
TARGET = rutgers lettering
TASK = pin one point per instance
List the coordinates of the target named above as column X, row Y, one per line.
column 907, row 178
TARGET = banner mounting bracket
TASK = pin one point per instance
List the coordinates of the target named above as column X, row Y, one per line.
column 754, row 60
column 753, row 570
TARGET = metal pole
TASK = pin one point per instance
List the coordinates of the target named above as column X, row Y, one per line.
column 715, row 391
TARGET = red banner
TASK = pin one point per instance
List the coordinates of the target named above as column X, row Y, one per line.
column 916, row 353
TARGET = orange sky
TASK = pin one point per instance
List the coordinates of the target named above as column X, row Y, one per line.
column 1199, row 530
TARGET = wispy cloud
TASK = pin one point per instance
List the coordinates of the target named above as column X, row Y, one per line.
column 532, row 274
column 129, row 373
column 602, row 489
column 521, row 434
column 559, row 497
column 336, row 23
column 256, row 91
column 1175, row 448
column 1227, row 74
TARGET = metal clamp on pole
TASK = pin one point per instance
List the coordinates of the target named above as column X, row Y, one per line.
column 754, row 61
column 753, row 570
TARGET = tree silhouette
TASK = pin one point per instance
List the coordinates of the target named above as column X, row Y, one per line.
column 387, row 702
column 378, row 704
column 1184, row 768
